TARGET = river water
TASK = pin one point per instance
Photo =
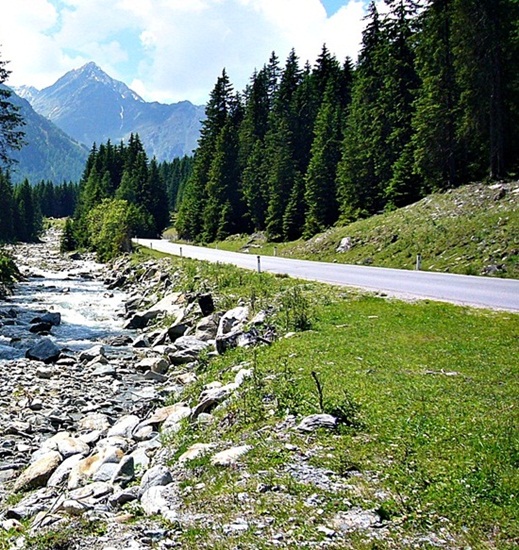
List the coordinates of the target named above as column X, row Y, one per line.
column 54, row 283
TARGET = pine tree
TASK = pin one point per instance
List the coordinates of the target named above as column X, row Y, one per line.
column 402, row 185
column 359, row 172
column 320, row 190
column 437, row 151
column 190, row 218
column 11, row 135
column 28, row 222
column 7, row 207
column 154, row 198
column 282, row 175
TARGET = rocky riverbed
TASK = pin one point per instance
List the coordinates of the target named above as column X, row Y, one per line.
column 86, row 375
column 102, row 370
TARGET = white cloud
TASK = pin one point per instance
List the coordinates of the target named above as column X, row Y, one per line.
column 170, row 50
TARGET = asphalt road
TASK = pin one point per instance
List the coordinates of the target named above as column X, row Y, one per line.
column 459, row 289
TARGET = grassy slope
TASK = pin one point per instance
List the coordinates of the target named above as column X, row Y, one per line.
column 466, row 230
column 432, row 392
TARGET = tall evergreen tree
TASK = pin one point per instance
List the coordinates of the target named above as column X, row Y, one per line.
column 437, row 151
column 28, row 222
column 11, row 135
column 7, row 209
column 189, row 223
column 320, row 190
column 359, row 173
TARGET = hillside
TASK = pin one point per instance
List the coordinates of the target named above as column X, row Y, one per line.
column 49, row 153
column 469, row 230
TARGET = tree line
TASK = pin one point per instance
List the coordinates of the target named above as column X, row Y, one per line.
column 430, row 104
column 23, row 207
column 122, row 193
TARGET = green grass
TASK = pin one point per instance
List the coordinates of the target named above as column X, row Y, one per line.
column 466, row 230
column 428, row 393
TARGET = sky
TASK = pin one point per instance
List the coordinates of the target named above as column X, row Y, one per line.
column 171, row 50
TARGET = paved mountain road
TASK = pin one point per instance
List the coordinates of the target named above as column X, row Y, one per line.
column 467, row 290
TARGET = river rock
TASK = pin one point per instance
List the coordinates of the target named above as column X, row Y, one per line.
column 155, row 476
column 40, row 328
column 92, row 353
column 38, row 473
column 62, row 472
column 186, row 349
column 124, row 426
column 94, row 421
column 45, row 350
column 233, row 320
column 66, row 445
column 53, row 318
column 87, row 468
column 155, row 364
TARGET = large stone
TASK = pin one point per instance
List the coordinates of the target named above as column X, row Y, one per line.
column 155, row 364
column 38, row 473
column 232, row 320
column 94, row 421
column 141, row 320
column 206, row 304
column 177, row 330
column 62, row 472
column 87, row 468
column 344, row 245
column 173, row 422
column 66, row 445
column 207, row 327
column 158, row 475
column 171, row 305
column 317, row 421
column 45, row 350
column 230, row 456
column 186, row 349
column 212, row 397
column 124, row 426
column 195, row 451
column 40, row 328
column 53, row 318
column 163, row 500
column 92, row 353
column 176, row 412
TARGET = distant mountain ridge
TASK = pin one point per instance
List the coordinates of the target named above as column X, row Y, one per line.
column 92, row 107
column 49, row 153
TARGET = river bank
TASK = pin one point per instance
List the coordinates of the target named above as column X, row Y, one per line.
column 354, row 421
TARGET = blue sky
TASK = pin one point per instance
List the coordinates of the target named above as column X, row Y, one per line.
column 171, row 50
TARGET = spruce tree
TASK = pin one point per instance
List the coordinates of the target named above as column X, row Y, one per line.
column 190, row 219
column 320, row 189
column 437, row 150
column 7, row 209
column 359, row 172
column 11, row 135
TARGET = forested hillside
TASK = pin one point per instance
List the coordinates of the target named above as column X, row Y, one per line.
column 432, row 103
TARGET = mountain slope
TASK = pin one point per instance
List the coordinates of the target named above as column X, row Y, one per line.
column 49, row 153
column 91, row 107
